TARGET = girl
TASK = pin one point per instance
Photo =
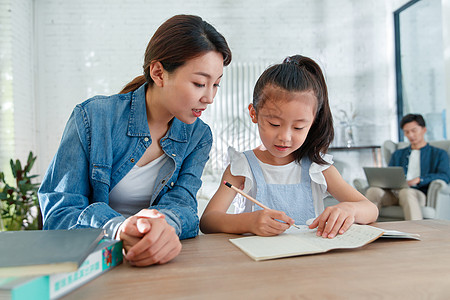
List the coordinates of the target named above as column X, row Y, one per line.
column 143, row 148
column 289, row 172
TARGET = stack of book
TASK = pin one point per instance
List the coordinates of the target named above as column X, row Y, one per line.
column 50, row 264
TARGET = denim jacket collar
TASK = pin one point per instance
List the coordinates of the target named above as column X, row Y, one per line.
column 137, row 122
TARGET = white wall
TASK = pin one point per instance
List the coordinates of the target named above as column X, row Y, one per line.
column 6, row 97
column 446, row 50
column 89, row 47
column 17, row 99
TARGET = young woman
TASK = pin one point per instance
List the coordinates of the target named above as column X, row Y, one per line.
column 131, row 163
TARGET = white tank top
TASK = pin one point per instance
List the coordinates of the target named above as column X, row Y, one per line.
column 134, row 191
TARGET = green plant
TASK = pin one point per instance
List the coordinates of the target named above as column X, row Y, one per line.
column 19, row 206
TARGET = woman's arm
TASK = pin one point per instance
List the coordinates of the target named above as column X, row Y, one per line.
column 179, row 203
column 353, row 207
column 65, row 190
column 261, row 222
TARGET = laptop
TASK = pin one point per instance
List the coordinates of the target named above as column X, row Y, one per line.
column 386, row 177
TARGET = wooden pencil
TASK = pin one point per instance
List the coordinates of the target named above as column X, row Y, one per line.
column 249, row 197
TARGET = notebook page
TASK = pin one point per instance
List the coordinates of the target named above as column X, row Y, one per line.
column 304, row 241
column 356, row 236
column 261, row 247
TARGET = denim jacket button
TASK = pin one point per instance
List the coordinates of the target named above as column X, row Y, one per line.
column 146, row 139
column 171, row 184
column 173, row 154
column 132, row 160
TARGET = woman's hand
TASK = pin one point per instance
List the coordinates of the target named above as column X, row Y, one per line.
column 135, row 227
column 148, row 239
column 334, row 220
column 265, row 222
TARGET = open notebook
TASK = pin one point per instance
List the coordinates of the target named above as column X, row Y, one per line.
column 295, row 242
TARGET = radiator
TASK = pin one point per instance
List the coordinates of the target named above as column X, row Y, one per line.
column 228, row 116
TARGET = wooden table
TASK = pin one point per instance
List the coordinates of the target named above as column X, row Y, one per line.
column 210, row 267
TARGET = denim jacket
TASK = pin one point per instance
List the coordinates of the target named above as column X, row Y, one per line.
column 434, row 164
column 104, row 138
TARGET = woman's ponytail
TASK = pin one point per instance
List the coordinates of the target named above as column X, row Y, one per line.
column 133, row 85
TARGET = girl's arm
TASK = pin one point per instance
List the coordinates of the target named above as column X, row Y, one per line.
column 261, row 222
column 353, row 207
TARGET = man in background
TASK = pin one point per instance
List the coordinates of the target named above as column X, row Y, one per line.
column 422, row 164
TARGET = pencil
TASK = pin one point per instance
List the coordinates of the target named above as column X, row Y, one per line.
column 249, row 197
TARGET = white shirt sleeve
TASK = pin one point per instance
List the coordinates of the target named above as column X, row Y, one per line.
column 239, row 167
column 318, row 183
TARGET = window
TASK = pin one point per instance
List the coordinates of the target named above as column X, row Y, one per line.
column 420, row 65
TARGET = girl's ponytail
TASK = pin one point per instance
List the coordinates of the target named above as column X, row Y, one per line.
column 321, row 133
column 311, row 67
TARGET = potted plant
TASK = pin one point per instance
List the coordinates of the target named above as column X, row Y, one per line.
column 19, row 205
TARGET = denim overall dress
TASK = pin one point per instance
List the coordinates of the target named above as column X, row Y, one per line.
column 294, row 199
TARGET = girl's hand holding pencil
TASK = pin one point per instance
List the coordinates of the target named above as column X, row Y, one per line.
column 265, row 223
column 268, row 222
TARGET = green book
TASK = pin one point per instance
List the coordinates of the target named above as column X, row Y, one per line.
column 43, row 252
column 104, row 257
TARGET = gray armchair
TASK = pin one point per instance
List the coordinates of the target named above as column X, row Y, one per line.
column 438, row 196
